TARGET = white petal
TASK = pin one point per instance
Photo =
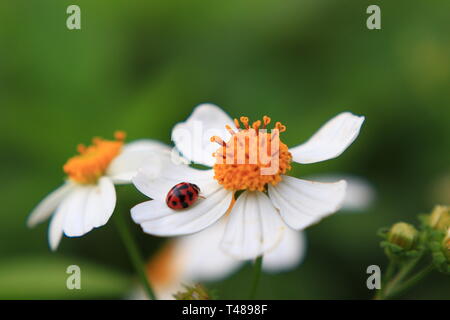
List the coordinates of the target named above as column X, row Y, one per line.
column 201, row 257
column 145, row 144
column 88, row 207
column 192, row 137
column 100, row 204
column 156, row 218
column 135, row 155
column 156, row 180
column 359, row 195
column 55, row 230
column 254, row 226
column 288, row 254
column 73, row 206
column 46, row 207
column 302, row 202
column 330, row 141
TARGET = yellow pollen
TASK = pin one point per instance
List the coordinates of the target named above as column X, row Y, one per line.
column 93, row 160
column 252, row 158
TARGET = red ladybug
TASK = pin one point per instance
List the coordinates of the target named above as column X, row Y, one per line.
column 182, row 195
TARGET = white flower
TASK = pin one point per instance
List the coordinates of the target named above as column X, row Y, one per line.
column 87, row 198
column 258, row 218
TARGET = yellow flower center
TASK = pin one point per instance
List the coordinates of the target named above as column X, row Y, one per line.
column 253, row 157
column 93, row 161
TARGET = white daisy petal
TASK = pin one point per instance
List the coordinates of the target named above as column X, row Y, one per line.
column 302, row 202
column 254, row 226
column 135, row 155
column 156, row 218
column 288, row 254
column 100, row 204
column 192, row 137
column 88, row 207
column 156, row 180
column 55, row 229
column 73, row 206
column 330, row 141
column 202, row 259
column 48, row 205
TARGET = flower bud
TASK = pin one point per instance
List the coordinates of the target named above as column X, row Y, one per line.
column 440, row 218
column 196, row 292
column 403, row 235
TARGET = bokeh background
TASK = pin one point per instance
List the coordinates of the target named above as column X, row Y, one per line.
column 141, row 66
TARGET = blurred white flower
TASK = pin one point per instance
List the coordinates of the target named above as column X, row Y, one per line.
column 269, row 203
column 198, row 258
column 360, row 193
column 87, row 199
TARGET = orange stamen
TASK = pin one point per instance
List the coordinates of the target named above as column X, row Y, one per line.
column 256, row 125
column 266, row 121
column 93, row 161
column 236, row 123
column 218, row 140
column 230, row 130
column 241, row 161
column 244, row 121
column 280, row 127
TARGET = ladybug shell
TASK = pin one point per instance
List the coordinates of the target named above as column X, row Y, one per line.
column 182, row 195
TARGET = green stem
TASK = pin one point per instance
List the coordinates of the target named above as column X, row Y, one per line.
column 133, row 252
column 390, row 271
column 256, row 277
column 404, row 270
column 411, row 281
column 386, row 278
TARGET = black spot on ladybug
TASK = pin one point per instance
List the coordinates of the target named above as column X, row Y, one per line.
column 196, row 188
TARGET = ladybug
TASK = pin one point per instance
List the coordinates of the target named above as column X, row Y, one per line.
column 182, row 195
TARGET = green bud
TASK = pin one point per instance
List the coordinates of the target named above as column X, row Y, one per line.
column 403, row 235
column 440, row 218
column 196, row 292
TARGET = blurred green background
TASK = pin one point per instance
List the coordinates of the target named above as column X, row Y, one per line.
column 141, row 66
